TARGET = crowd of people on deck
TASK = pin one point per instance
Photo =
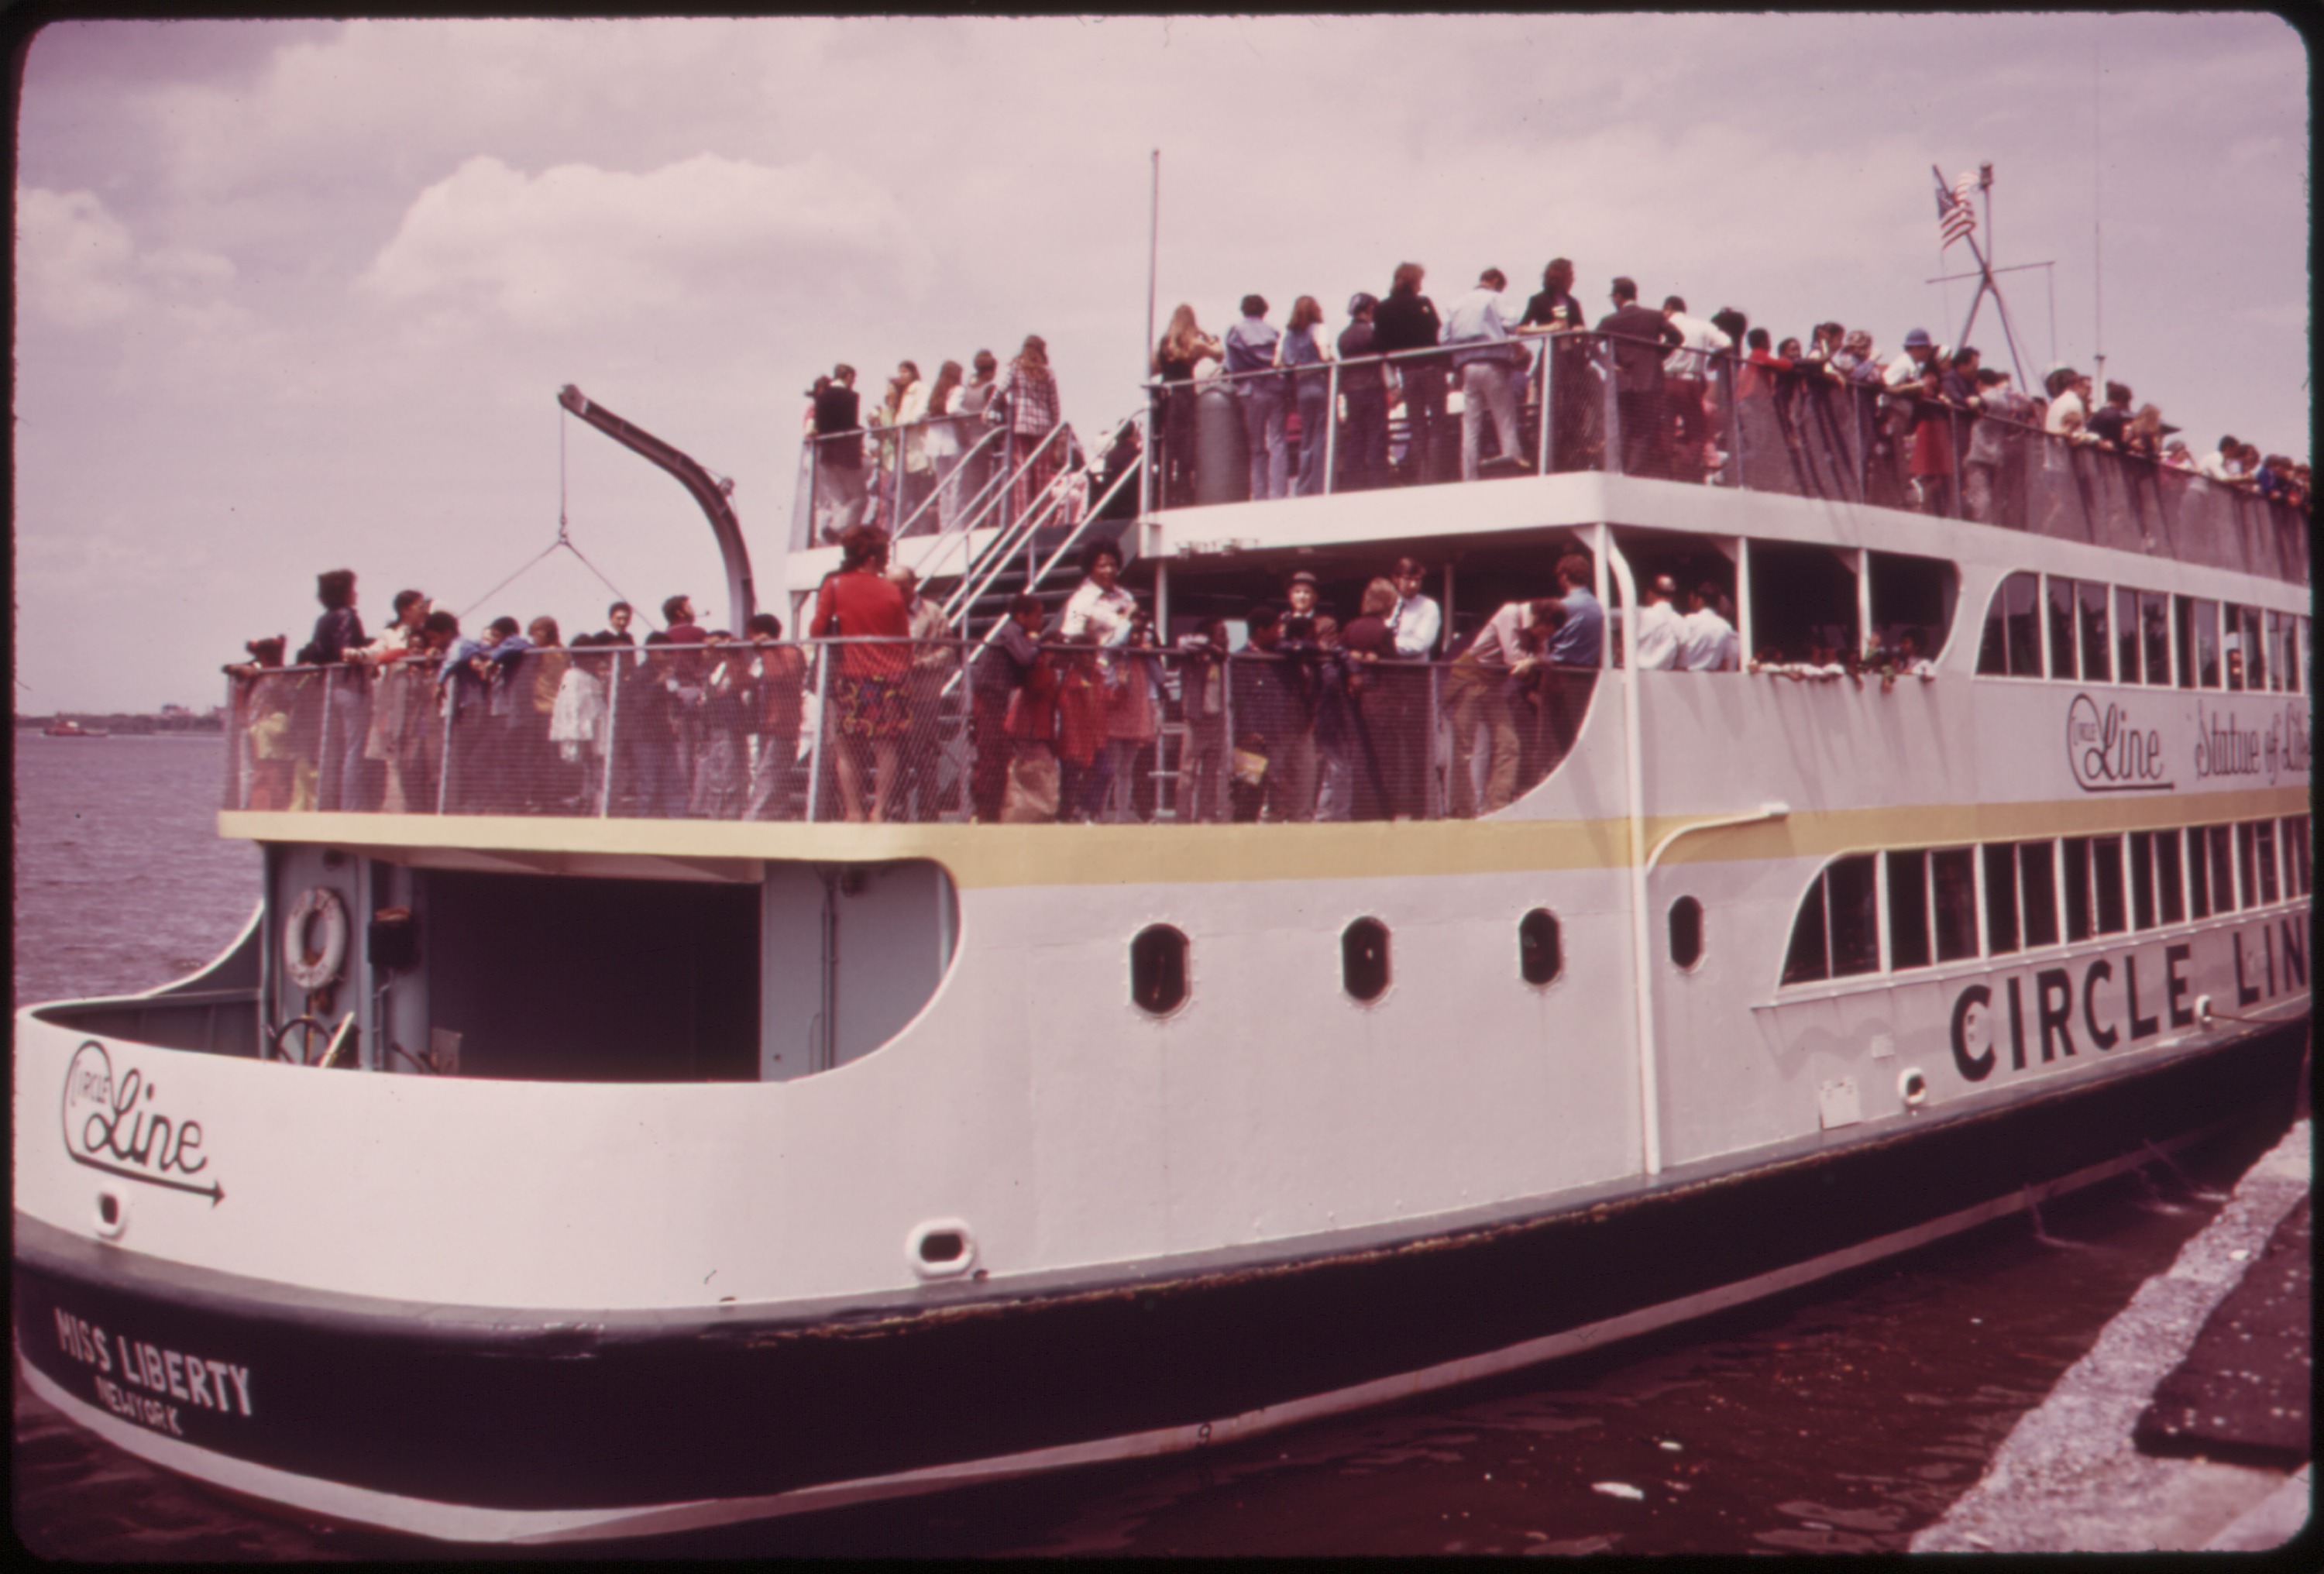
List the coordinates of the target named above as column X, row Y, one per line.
column 1669, row 368
column 985, row 442
column 1317, row 717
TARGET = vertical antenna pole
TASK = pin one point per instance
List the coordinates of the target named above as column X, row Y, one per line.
column 2097, row 257
column 1146, row 482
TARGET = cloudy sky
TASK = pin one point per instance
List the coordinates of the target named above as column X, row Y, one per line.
column 294, row 296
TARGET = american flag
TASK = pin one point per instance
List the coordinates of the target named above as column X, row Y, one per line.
column 1956, row 219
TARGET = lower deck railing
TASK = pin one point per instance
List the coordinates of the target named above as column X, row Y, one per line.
column 905, row 731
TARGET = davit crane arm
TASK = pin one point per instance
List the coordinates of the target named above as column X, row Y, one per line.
column 709, row 492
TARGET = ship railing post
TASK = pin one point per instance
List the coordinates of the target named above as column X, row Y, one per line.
column 1541, row 444
column 1436, row 787
column 613, row 724
column 1223, row 781
column 1611, row 362
column 1956, row 508
column 323, row 750
column 1330, row 427
column 822, row 723
column 450, row 692
column 1736, row 475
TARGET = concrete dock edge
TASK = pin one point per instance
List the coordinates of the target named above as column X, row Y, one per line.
column 2068, row 1478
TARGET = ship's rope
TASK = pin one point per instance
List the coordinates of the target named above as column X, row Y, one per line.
column 564, row 534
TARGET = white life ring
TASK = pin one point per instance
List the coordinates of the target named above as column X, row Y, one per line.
column 312, row 971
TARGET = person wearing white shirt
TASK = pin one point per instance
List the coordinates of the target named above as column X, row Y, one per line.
column 1659, row 631
column 2068, row 411
column 1477, row 698
column 1489, row 362
column 1417, row 619
column 1707, row 641
column 1904, row 371
column 2224, row 464
column 919, row 477
column 1686, row 376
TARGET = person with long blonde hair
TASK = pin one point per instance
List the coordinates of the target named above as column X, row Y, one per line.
column 1303, row 345
column 1184, row 348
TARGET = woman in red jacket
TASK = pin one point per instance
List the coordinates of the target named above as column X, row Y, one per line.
column 867, row 699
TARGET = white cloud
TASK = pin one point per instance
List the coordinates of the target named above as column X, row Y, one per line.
column 580, row 244
column 78, row 265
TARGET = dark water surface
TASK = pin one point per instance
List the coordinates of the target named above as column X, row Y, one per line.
column 1838, row 1418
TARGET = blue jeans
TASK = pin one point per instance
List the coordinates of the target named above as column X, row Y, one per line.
column 1315, row 434
column 1262, row 423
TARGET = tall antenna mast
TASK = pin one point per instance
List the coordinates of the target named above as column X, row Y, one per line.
column 1153, row 254
column 2098, row 177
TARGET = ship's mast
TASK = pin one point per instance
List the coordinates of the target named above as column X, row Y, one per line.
column 710, row 491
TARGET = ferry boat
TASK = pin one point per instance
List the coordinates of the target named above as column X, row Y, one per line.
column 66, row 727
column 584, row 1168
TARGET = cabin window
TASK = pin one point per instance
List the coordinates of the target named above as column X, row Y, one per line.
column 2248, row 863
column 1913, row 593
column 2037, row 883
column 1363, row 959
column 2170, row 886
column 2154, row 632
column 1802, row 596
column 2199, row 875
column 2077, row 850
column 2264, row 832
column 2198, row 643
column 2223, row 868
column 2090, row 625
column 2011, row 643
column 2298, row 876
column 2288, row 663
column 2126, row 634
column 1953, row 879
column 1686, row 932
column 2060, row 601
column 2142, row 879
column 1157, row 969
column 1540, row 956
column 2000, row 898
column 2247, row 662
column 1908, row 910
column 2106, row 868
column 2275, row 647
column 1837, row 933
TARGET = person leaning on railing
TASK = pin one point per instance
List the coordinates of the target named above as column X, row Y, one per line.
column 932, row 658
column 1005, row 665
column 1206, row 758
column 1407, row 320
column 1363, row 450
column 775, row 700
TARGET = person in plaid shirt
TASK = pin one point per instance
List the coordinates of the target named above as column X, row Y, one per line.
column 1029, row 410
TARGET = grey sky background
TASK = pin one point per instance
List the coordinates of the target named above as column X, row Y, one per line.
column 296, row 296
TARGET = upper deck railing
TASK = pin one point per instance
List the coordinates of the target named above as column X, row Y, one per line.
column 1581, row 402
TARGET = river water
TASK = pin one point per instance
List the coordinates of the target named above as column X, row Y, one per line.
column 1838, row 1418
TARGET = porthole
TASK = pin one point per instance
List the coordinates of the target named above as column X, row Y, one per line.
column 1540, row 955
column 1157, row 969
column 1363, row 959
column 1686, row 932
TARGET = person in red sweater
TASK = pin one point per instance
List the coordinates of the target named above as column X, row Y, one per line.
column 869, row 712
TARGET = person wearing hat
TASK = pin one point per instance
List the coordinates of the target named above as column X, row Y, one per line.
column 1904, row 371
column 1363, row 451
column 1299, row 591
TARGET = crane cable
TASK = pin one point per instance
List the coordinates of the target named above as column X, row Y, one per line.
column 564, row 535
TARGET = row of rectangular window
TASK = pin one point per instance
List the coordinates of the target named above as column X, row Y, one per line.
column 2037, row 893
column 2098, row 633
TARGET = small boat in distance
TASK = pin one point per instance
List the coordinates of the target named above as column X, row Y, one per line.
column 66, row 727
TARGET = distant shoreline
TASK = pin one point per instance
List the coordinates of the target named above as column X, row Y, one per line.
column 139, row 726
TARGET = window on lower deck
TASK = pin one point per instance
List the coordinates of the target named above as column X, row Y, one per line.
column 1837, row 932
column 2077, row 851
column 2170, row 886
column 2248, row 863
column 2142, row 879
column 2106, row 869
column 2126, row 636
column 2059, row 604
column 1954, row 874
column 2264, row 832
column 2198, row 643
column 2012, row 642
column 2000, row 898
column 2037, row 884
column 1908, row 909
column 2223, row 868
column 2198, row 874
column 2298, row 875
